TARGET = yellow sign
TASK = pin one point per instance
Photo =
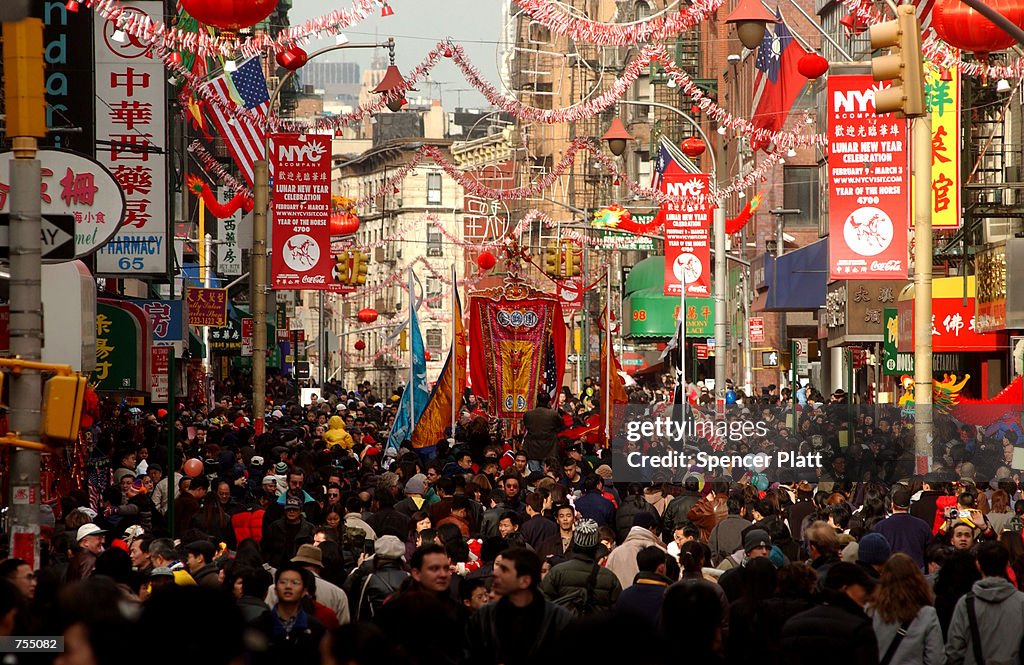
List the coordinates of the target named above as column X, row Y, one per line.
column 942, row 91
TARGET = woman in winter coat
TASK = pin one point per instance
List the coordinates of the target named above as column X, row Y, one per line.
column 903, row 601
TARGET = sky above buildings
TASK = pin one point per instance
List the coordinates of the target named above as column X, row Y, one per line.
column 417, row 25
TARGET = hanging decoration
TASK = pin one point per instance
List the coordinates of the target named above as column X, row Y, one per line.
column 666, row 25
column 214, row 167
column 736, row 224
column 962, row 27
column 198, row 188
column 292, row 58
column 486, row 261
column 812, row 65
column 229, row 15
column 693, row 147
column 617, row 218
column 360, row 345
column 367, row 315
column 343, row 220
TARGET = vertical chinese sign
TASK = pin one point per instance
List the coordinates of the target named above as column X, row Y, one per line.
column 229, row 255
column 207, row 307
column 687, row 236
column 301, row 209
column 942, row 90
column 869, row 195
column 131, row 138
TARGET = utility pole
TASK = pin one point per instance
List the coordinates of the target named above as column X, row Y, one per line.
column 26, row 114
column 258, row 296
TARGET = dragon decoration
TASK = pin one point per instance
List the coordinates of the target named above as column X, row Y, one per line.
column 219, row 210
column 945, row 393
column 617, row 218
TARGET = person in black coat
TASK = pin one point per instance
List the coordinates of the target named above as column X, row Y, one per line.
column 292, row 635
column 644, row 597
column 836, row 629
column 537, row 528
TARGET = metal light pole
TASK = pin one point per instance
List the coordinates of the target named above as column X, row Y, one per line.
column 258, row 270
column 719, row 250
column 922, row 165
column 780, row 243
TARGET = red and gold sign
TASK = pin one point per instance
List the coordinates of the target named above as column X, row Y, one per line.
column 207, row 307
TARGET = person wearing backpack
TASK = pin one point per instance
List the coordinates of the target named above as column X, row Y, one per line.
column 580, row 584
column 903, row 616
column 370, row 585
column 988, row 622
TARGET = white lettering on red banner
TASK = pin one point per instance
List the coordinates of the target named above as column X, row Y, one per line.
column 687, row 237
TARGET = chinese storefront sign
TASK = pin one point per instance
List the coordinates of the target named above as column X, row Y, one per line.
column 226, row 339
column 131, row 116
column 700, row 317
column 953, row 328
column 854, row 310
column 687, row 237
column 168, row 320
column 159, row 386
column 77, row 186
column 67, row 49
column 117, row 350
column 944, row 103
column 301, row 209
column 869, row 176
column 229, row 254
column 756, row 324
column 207, row 307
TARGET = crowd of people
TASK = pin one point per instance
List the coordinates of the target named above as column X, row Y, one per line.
column 314, row 542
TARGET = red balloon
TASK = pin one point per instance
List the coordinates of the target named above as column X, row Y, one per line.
column 193, row 467
column 367, row 315
column 486, row 261
column 693, row 147
column 230, row 15
column 812, row 65
column 960, row 26
column 360, row 345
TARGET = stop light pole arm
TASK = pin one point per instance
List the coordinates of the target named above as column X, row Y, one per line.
column 12, row 439
column 17, row 365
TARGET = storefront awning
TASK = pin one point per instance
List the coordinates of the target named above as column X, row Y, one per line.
column 648, row 274
column 649, row 314
column 796, row 280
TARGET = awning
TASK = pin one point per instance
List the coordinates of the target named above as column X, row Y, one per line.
column 647, row 274
column 651, row 314
column 796, row 280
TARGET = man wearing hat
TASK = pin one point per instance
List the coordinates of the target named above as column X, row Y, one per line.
column 756, row 543
column 90, row 545
column 381, row 575
column 644, row 533
column 872, row 552
column 328, row 594
column 284, row 535
column 577, row 572
column 905, row 533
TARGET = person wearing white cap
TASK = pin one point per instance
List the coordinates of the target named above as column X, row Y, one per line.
column 90, row 545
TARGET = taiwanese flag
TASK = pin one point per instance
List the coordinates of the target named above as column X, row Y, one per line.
column 670, row 163
column 778, row 82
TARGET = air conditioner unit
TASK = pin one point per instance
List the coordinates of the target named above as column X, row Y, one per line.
column 380, row 304
column 379, row 255
column 435, row 251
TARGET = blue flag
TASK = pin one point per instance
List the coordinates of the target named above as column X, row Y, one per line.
column 418, row 390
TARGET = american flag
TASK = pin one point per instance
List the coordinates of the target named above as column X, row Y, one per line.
column 551, row 382
column 245, row 142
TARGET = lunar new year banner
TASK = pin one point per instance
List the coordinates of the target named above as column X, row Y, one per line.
column 517, row 348
column 687, row 237
column 869, row 192
column 302, row 208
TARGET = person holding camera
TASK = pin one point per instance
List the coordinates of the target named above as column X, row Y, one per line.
column 964, row 524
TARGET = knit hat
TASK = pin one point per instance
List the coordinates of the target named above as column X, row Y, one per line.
column 873, row 549
column 756, row 538
column 281, row 468
column 584, row 534
column 776, row 556
column 389, row 547
column 604, row 471
column 416, row 485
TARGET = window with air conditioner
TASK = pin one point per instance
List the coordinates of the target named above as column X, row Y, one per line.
column 435, row 339
column 434, row 247
column 433, row 189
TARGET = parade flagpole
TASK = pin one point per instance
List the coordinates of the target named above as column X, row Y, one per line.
column 454, row 354
column 412, row 369
column 608, row 352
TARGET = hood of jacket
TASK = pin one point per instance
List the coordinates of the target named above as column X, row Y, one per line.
column 993, row 589
column 639, row 533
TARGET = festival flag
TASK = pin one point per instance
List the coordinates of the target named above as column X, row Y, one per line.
column 778, row 81
column 245, row 141
column 430, row 428
column 417, row 392
column 612, row 386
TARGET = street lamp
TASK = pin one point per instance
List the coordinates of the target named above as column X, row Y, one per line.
column 258, row 258
column 720, row 254
column 616, row 136
column 392, row 80
column 751, row 20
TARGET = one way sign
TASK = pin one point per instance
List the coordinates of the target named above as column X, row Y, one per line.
column 58, row 237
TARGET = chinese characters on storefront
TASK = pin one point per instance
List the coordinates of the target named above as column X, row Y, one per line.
column 207, row 307
column 229, row 255
column 131, row 137
column 869, row 184
column 942, row 89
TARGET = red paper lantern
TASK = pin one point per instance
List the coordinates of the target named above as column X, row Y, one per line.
column 193, row 467
column 693, row 147
column 360, row 345
column 292, row 58
column 426, row 356
column 812, row 65
column 367, row 315
column 230, row 15
column 486, row 261
column 960, row 26
column 343, row 224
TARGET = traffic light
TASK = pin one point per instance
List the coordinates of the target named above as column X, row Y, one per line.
column 360, row 267
column 403, row 340
column 62, row 408
column 342, row 271
column 552, row 259
column 24, row 92
column 573, row 260
column 903, row 65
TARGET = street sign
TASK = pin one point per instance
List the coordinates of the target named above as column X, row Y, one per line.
column 801, row 354
column 702, row 351
column 770, row 358
column 573, row 357
column 58, row 237
column 302, row 370
column 756, row 324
